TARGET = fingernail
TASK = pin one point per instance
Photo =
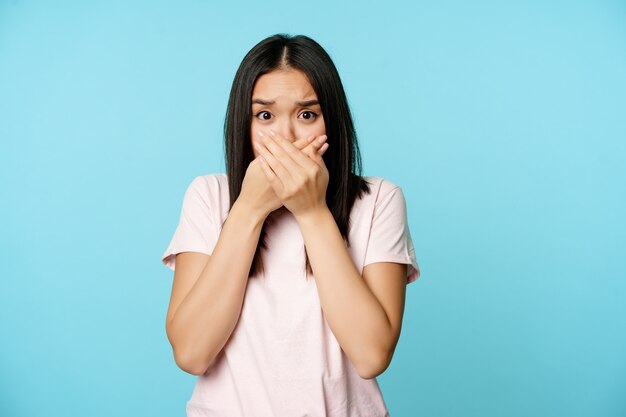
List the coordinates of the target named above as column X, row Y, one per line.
column 272, row 132
column 322, row 138
column 310, row 138
column 260, row 133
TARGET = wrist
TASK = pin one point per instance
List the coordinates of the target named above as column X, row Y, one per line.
column 314, row 216
column 249, row 213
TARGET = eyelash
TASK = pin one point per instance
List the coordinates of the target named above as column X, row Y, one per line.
column 306, row 111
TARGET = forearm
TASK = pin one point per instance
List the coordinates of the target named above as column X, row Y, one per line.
column 353, row 313
column 209, row 313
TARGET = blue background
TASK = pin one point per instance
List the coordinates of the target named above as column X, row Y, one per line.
column 503, row 122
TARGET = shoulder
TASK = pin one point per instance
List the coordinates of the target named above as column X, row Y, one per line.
column 383, row 196
column 381, row 187
column 210, row 190
column 207, row 182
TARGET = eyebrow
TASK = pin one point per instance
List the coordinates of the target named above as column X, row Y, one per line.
column 270, row 102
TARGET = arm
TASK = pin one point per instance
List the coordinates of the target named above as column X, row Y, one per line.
column 205, row 308
column 364, row 312
column 208, row 290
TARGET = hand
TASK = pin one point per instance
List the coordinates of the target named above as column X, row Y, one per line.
column 300, row 182
column 256, row 190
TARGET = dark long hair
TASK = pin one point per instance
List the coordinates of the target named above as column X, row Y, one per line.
column 342, row 158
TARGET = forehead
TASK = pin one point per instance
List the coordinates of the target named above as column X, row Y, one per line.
column 291, row 84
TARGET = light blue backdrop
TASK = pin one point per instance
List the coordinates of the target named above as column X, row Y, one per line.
column 504, row 123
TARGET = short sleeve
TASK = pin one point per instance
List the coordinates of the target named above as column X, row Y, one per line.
column 196, row 231
column 390, row 238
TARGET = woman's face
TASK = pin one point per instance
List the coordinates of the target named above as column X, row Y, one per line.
column 284, row 101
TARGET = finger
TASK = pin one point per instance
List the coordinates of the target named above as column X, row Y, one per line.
column 312, row 151
column 316, row 157
column 308, row 144
column 298, row 157
column 271, row 176
column 284, row 151
column 313, row 146
column 303, row 143
column 321, row 148
column 273, row 160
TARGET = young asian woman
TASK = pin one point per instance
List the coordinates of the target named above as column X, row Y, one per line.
column 291, row 267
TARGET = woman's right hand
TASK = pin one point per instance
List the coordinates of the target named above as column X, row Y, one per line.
column 257, row 192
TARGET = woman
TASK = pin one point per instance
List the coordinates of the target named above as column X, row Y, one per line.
column 290, row 268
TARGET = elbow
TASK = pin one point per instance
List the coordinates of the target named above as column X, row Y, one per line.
column 377, row 364
column 189, row 364
column 183, row 358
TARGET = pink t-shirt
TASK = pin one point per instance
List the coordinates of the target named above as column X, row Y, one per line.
column 282, row 359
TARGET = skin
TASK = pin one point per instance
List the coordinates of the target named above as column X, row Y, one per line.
column 208, row 290
column 285, row 87
column 281, row 90
column 206, row 306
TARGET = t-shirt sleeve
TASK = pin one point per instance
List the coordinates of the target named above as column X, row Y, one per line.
column 196, row 230
column 390, row 238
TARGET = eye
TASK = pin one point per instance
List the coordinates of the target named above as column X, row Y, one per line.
column 312, row 116
column 262, row 112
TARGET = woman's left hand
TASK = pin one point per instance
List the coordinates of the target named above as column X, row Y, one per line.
column 299, row 181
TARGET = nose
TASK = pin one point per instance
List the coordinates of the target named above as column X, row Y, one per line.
column 287, row 130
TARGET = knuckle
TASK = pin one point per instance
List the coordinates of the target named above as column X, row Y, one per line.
column 297, row 182
column 289, row 193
